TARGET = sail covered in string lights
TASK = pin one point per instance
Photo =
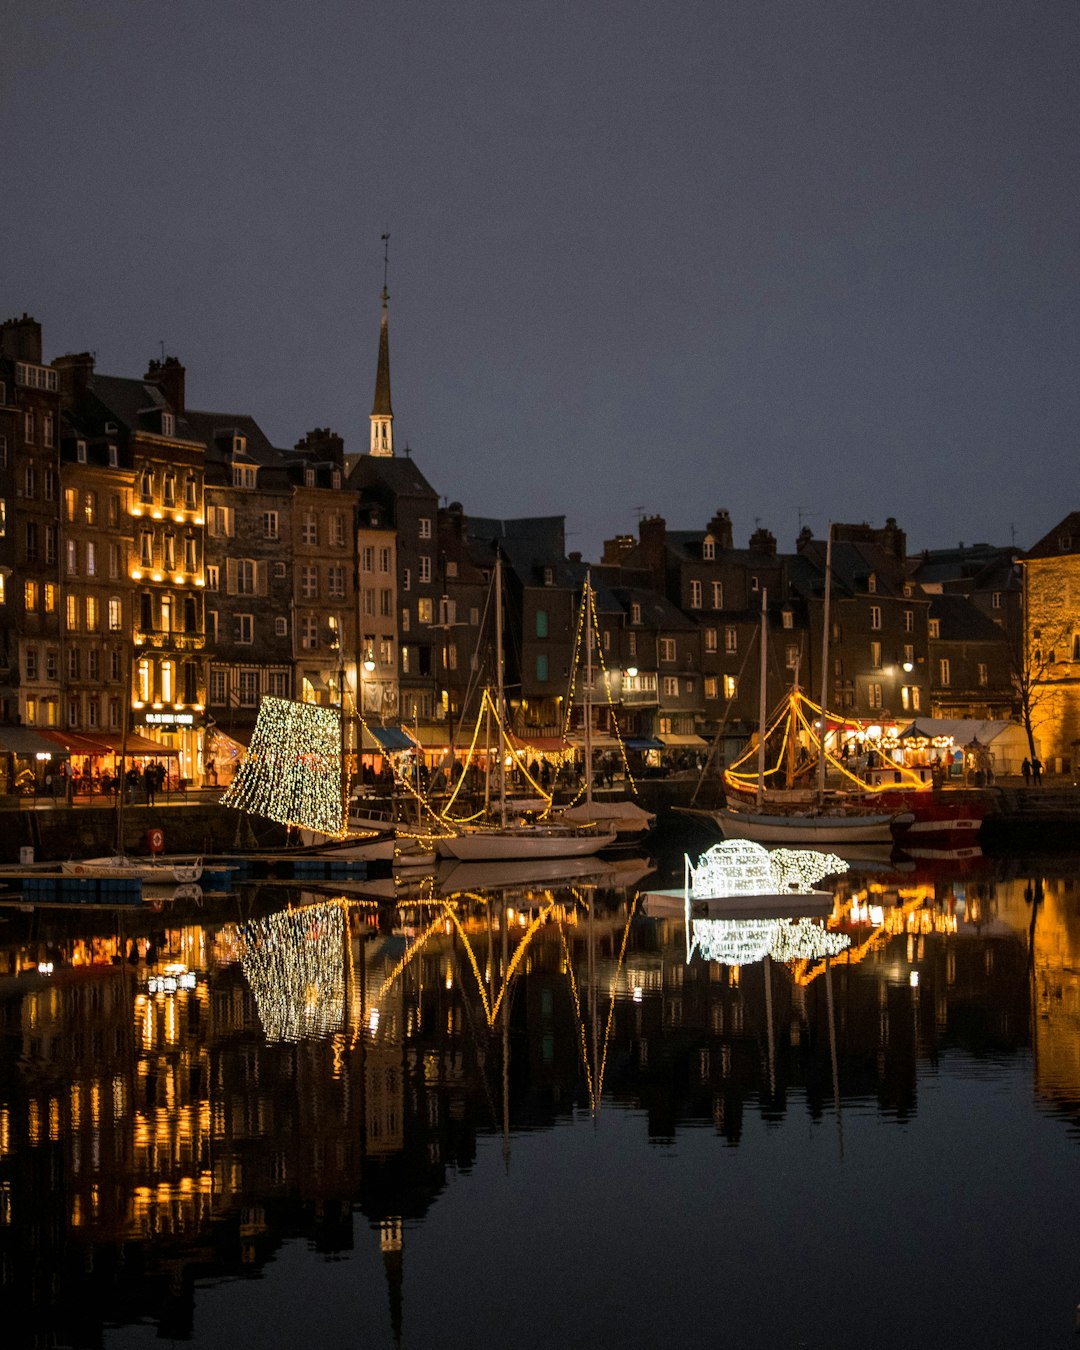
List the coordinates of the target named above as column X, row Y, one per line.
column 292, row 770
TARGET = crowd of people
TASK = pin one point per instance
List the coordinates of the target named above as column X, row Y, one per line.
column 141, row 783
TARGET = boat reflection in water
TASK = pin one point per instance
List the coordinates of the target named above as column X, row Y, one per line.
column 184, row 1097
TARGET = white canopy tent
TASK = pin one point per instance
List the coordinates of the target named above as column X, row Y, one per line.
column 1006, row 742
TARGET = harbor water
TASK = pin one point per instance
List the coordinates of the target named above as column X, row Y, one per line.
column 547, row 1114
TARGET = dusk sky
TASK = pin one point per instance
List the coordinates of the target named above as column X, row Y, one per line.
column 665, row 258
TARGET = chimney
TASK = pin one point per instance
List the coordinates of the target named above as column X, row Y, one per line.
column 894, row 540
column 720, row 529
column 763, row 541
column 20, row 339
column 323, row 445
column 74, row 373
column 168, row 377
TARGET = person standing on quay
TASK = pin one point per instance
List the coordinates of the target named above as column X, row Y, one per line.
column 1036, row 771
column 1025, row 769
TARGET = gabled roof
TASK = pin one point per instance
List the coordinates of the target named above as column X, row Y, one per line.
column 853, row 563
column 398, row 474
column 1062, row 540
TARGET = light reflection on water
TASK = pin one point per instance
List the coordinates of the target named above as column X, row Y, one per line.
column 365, row 1093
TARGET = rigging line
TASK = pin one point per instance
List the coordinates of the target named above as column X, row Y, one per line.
column 717, row 745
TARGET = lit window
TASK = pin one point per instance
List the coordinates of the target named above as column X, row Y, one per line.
column 695, row 594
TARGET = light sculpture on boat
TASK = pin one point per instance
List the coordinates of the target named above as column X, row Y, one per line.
column 741, row 942
column 742, row 867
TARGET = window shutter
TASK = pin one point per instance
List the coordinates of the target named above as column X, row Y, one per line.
column 230, row 576
column 262, row 584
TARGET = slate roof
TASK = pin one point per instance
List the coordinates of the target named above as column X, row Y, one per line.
column 130, row 401
column 657, row 611
column 852, row 563
column 397, row 473
column 528, row 542
column 960, row 621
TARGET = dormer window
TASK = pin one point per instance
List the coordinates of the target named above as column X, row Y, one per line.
column 80, row 451
column 309, row 477
column 635, row 612
column 909, row 589
column 871, row 583
column 335, row 478
column 549, row 576
column 239, row 445
column 1065, row 543
column 708, row 548
column 788, row 618
column 168, row 424
column 244, row 475
column 114, row 459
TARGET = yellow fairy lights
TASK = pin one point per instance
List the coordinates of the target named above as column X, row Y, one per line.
column 292, row 770
column 587, row 622
column 293, row 963
column 799, row 714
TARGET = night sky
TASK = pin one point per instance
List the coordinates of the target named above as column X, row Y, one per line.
column 773, row 256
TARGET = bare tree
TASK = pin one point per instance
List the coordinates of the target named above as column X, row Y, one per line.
column 1033, row 661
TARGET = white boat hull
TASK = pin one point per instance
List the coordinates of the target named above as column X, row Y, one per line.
column 497, row 845
column 113, row 869
column 763, row 828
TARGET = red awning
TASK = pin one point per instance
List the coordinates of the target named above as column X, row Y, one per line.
column 545, row 745
column 76, row 743
column 136, row 745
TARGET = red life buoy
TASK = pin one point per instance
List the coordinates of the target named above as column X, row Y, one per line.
column 155, row 838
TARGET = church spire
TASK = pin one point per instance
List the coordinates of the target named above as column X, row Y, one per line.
column 382, row 414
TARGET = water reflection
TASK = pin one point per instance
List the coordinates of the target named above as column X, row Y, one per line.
column 181, row 1097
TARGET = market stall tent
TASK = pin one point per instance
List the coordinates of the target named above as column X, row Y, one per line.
column 1006, row 742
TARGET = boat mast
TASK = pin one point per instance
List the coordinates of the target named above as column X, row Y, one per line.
column 762, row 708
column 499, row 687
column 122, row 785
column 824, row 664
column 589, row 614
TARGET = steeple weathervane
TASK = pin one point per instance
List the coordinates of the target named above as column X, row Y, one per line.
column 382, row 414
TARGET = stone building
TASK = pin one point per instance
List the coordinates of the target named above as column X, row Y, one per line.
column 1050, row 673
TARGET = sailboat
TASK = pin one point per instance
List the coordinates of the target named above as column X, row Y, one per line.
column 629, row 821
column 800, row 817
column 527, row 839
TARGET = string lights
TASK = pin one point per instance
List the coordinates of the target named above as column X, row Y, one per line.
column 797, row 714
column 292, row 770
column 294, row 964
